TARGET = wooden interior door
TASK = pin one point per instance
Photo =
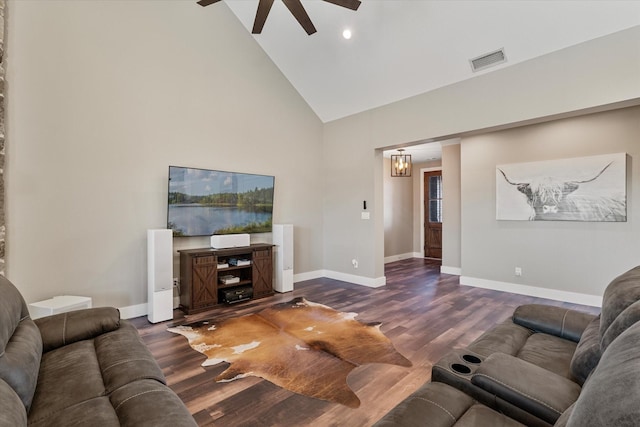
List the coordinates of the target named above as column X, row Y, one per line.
column 433, row 214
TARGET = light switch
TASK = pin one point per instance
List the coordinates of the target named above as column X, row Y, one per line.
column 366, row 215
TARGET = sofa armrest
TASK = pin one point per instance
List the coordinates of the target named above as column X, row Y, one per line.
column 66, row 328
column 561, row 322
column 147, row 403
column 542, row 393
column 433, row 404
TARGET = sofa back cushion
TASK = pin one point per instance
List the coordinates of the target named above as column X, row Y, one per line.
column 11, row 311
column 12, row 411
column 628, row 317
column 611, row 394
column 20, row 344
column 617, row 313
column 587, row 353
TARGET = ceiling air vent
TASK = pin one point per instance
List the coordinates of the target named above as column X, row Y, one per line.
column 488, row 60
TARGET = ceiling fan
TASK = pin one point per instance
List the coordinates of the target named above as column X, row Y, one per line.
column 294, row 6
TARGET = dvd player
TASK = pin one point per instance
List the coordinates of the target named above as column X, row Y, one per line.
column 234, row 295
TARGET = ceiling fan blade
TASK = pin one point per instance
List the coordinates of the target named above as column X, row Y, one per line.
column 204, row 3
column 261, row 15
column 349, row 4
column 297, row 10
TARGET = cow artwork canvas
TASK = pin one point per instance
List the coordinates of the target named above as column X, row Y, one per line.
column 577, row 189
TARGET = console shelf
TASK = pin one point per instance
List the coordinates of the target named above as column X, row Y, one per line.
column 200, row 276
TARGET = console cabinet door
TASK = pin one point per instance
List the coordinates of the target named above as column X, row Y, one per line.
column 204, row 281
column 262, row 273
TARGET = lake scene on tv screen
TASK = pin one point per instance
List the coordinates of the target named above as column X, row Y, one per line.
column 206, row 202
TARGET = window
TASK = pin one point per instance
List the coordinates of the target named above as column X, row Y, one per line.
column 435, row 198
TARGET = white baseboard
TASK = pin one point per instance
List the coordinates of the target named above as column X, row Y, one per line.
column 139, row 310
column 400, row 257
column 456, row 271
column 553, row 294
column 309, row 275
column 132, row 311
column 358, row 280
column 345, row 277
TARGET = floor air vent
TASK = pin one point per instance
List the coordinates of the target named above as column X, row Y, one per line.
column 488, row 60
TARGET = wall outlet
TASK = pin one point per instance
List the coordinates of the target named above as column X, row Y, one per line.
column 355, row 263
column 518, row 271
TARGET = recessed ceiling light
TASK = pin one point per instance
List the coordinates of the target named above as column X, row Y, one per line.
column 346, row 34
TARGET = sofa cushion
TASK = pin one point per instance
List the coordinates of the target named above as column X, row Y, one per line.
column 21, row 359
column 505, row 337
column 622, row 292
column 549, row 352
column 124, row 358
column 110, row 380
column 626, row 318
column 587, row 353
column 20, row 343
column 480, row 415
column 611, row 394
column 527, row 386
column 96, row 411
column 437, row 404
column 12, row 311
column 68, row 376
column 12, row 411
column 564, row 418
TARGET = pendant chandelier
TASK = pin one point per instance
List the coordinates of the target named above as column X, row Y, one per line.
column 401, row 164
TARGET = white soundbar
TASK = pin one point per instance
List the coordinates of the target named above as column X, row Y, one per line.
column 223, row 241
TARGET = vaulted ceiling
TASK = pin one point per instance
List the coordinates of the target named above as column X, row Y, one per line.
column 401, row 48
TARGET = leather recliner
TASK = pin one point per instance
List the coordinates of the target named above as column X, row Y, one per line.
column 533, row 366
column 85, row 367
column 609, row 397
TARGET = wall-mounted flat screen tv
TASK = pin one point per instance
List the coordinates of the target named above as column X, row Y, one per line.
column 205, row 202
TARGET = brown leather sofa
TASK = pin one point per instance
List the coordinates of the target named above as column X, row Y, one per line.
column 544, row 366
column 82, row 368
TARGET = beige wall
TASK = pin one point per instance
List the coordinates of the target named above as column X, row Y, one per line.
column 580, row 257
column 103, row 97
column 348, row 180
column 562, row 82
column 398, row 212
column 451, row 222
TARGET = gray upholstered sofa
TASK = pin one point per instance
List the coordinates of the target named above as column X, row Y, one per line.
column 83, row 368
column 544, row 366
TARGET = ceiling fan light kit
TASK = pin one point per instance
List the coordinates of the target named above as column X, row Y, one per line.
column 295, row 7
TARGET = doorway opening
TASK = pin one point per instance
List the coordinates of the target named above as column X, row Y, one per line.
column 432, row 214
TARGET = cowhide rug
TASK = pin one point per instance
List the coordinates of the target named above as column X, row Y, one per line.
column 305, row 347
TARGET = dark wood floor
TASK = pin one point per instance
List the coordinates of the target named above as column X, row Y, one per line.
column 424, row 313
